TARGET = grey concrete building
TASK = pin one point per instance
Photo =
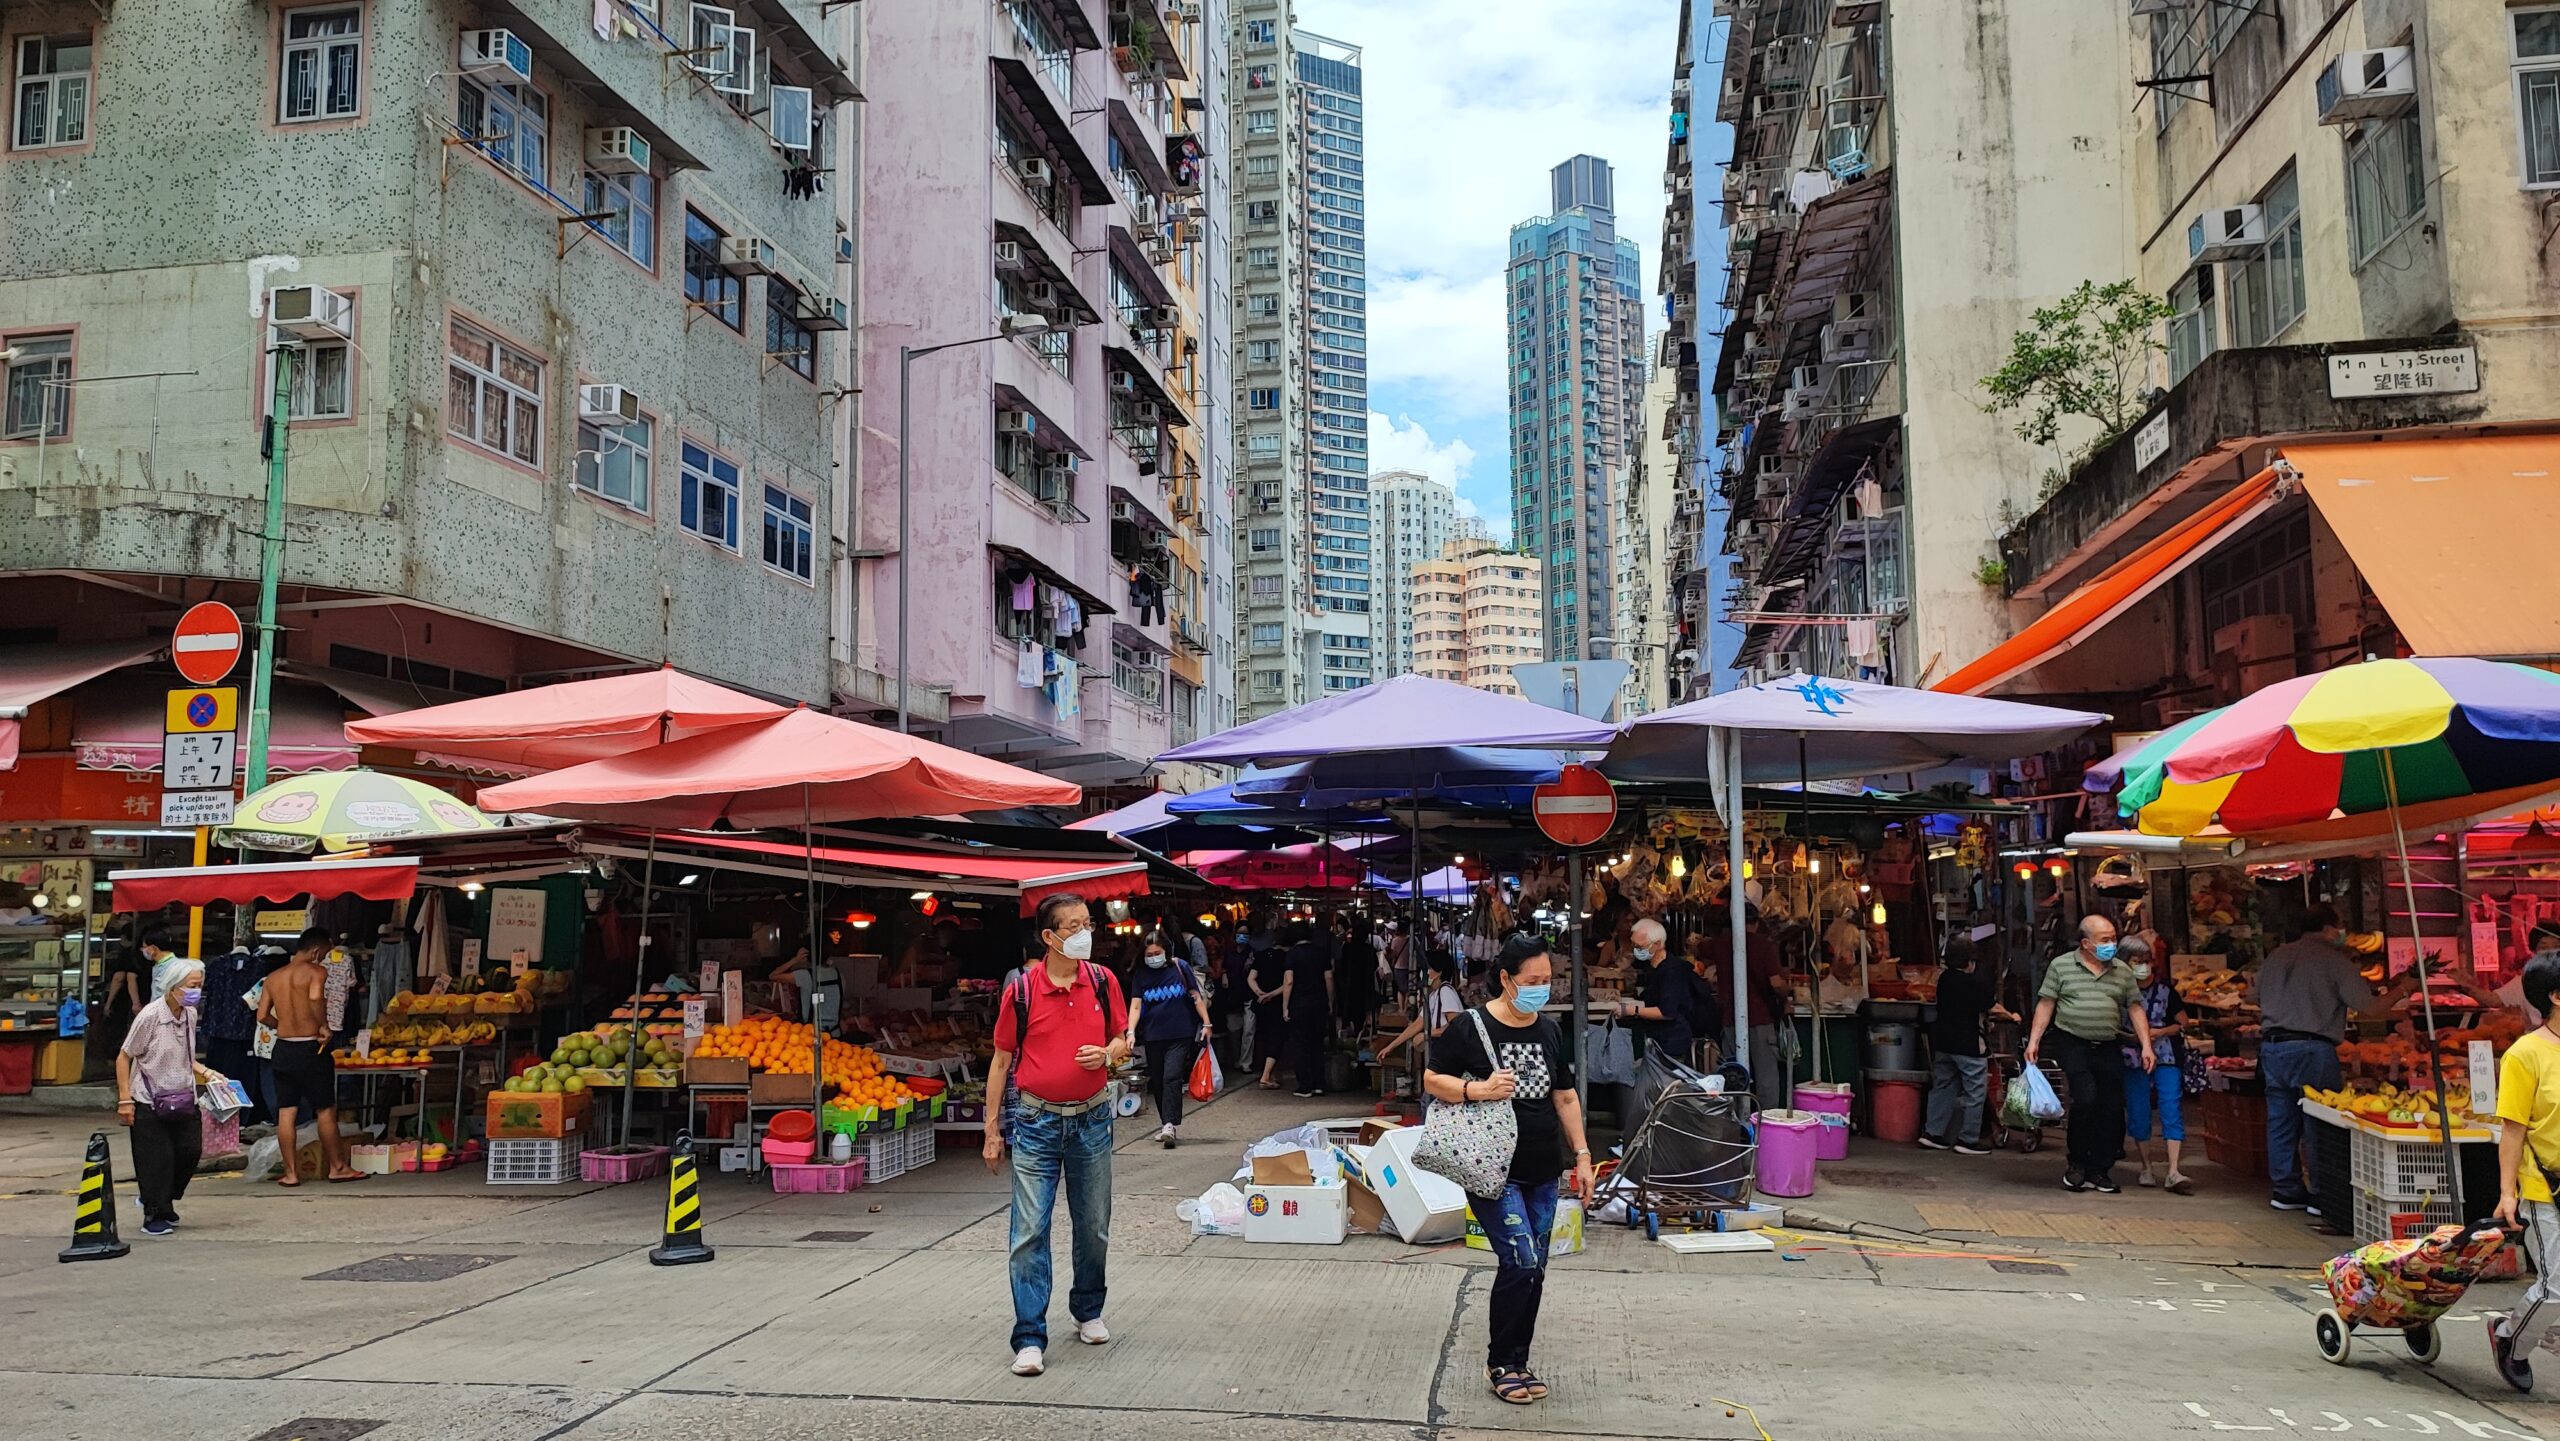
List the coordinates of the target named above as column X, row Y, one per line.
column 1416, row 518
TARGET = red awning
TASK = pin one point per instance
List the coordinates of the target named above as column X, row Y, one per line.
column 2118, row 588
column 119, row 726
column 33, row 673
column 374, row 880
column 1028, row 877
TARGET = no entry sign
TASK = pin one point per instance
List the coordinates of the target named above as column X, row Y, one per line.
column 1577, row 808
column 207, row 643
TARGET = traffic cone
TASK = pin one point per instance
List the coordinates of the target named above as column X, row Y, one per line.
column 93, row 1216
column 683, row 1244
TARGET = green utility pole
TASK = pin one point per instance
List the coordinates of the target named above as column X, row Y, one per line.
column 262, row 673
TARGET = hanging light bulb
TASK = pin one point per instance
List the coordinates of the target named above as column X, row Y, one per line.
column 1679, row 865
column 1746, row 868
column 2059, row 867
column 1877, row 914
column 1815, row 864
column 2024, row 869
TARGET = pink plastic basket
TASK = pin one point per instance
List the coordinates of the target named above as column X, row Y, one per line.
column 825, row 1178
column 614, row 1170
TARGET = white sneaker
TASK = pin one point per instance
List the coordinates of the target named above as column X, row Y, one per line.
column 1028, row 1362
column 1093, row 1332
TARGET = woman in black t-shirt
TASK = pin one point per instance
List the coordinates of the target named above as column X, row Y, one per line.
column 1306, row 997
column 1270, row 1029
column 1526, row 1065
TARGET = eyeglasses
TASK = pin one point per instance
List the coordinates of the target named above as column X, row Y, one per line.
column 1069, row 928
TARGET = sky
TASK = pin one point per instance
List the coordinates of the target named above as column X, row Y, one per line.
column 1468, row 104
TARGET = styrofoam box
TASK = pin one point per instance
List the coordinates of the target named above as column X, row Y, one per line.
column 1427, row 1208
column 1305, row 1215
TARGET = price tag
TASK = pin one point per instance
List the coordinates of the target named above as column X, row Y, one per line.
column 733, row 998
column 440, row 985
column 519, row 963
column 710, row 977
column 364, row 1043
column 2484, row 1079
column 2486, row 961
column 471, row 955
column 697, row 1010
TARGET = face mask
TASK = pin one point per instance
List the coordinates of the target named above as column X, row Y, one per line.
column 191, row 995
column 1078, row 947
column 1155, row 958
column 2104, row 950
column 1532, row 998
column 2142, row 974
column 1644, row 953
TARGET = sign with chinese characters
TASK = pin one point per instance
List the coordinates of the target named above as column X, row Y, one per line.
column 2152, row 441
column 198, row 762
column 195, row 808
column 2404, row 372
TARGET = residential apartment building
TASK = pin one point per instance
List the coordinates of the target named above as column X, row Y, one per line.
column 1478, row 611
column 1416, row 518
column 563, row 295
column 2348, row 209
column 1895, row 207
column 1202, row 598
column 1694, row 574
column 1036, row 341
column 1643, row 636
column 1306, row 611
column 1575, row 319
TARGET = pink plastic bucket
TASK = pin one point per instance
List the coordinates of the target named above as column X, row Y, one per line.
column 1787, row 1143
column 1831, row 1101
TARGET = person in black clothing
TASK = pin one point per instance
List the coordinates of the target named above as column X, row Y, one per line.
column 1169, row 1015
column 1269, row 973
column 1670, row 996
column 1506, row 1051
column 1306, row 1006
column 1960, row 1075
column 1231, row 988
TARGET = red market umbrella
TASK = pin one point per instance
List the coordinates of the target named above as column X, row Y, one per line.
column 553, row 726
column 1324, row 867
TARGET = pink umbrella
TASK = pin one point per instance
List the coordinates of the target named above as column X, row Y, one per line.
column 1324, row 867
column 553, row 726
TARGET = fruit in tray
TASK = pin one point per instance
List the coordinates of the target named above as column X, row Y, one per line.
column 2388, row 1105
column 380, row 1058
column 780, row 1047
column 608, row 1049
column 548, row 1076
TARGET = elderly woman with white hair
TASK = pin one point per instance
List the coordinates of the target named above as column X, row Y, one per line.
column 157, row 1079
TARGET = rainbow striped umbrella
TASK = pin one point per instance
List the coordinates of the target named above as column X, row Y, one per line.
column 2356, row 740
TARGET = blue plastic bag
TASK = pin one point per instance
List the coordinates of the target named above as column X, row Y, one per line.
column 2042, row 1103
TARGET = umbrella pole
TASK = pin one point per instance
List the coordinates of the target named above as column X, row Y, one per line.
column 1733, row 896
column 639, row 983
column 2426, row 997
column 1416, row 954
column 817, row 1037
column 1573, row 914
column 1813, row 928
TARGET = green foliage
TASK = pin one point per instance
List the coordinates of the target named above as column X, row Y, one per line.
column 1992, row 571
column 2087, row 354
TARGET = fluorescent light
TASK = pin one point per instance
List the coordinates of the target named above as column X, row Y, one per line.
column 688, row 878
column 472, row 888
column 920, row 896
column 148, row 835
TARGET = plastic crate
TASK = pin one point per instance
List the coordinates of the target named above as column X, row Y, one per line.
column 883, row 1155
column 533, row 1163
column 616, row 1169
column 2375, row 1216
column 920, row 1145
column 824, row 1178
column 2411, row 1170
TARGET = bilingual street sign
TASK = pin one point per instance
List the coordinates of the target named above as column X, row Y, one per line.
column 207, row 643
column 185, row 809
column 1577, row 808
column 198, row 762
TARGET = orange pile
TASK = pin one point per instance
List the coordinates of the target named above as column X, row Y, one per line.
column 782, row 1048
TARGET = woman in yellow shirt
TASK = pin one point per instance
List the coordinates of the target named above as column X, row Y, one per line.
column 2529, row 1104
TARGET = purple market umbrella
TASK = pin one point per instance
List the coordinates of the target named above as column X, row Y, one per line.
column 1813, row 728
column 1402, row 714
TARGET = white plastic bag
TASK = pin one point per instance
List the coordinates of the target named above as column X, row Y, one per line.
column 266, row 1161
column 1219, row 1211
column 2042, row 1103
column 1322, row 1161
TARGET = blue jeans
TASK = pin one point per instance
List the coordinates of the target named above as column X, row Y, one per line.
column 1957, row 1086
column 1046, row 1149
column 1519, row 1225
column 2166, row 1086
column 2288, row 1067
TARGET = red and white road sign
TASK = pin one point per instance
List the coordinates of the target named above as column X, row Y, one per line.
column 207, row 644
column 1577, row 808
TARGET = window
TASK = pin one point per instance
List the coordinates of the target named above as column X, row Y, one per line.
column 1266, row 634
column 1262, row 397
column 2386, row 183
column 511, row 123
column 708, row 502
column 2266, row 295
column 1260, row 542
column 321, row 388
column 320, row 75
column 1260, row 32
column 1262, row 257
column 1262, row 122
column 39, row 397
column 52, row 95
column 1262, row 445
column 613, row 462
column 1262, row 305
column 785, row 338
column 2535, row 59
column 1265, row 587
column 790, row 539
column 493, row 394
column 632, row 203
column 705, row 283
column 1262, row 352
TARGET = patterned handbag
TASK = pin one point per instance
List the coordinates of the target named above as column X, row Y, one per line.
column 1471, row 1142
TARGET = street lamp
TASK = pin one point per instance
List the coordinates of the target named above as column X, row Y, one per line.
column 1013, row 326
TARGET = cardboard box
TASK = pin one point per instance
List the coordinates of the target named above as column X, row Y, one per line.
column 1289, row 1168
column 1750, row 1218
column 535, row 1115
column 1374, row 1127
column 1368, row 1213
column 61, row 1061
column 1300, row 1215
column 716, row 1071
column 1564, row 1238
column 1427, row 1209
column 768, row 1090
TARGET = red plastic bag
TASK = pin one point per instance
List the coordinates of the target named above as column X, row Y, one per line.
column 1206, row 1079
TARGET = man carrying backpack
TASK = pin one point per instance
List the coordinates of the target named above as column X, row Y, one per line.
column 1057, row 1039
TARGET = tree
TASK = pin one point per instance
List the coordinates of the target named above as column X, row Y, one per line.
column 2088, row 354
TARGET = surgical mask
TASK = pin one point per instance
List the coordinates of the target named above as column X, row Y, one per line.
column 191, row 995
column 1155, row 958
column 1532, row 998
column 1644, row 953
column 2104, row 950
column 1078, row 947
column 2142, row 974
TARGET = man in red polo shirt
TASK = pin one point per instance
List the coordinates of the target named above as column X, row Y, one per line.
column 1057, row 1042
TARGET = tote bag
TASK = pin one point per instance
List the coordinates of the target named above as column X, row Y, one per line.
column 1470, row 1142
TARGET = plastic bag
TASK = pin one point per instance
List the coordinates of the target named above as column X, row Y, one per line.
column 1324, row 1163
column 266, row 1161
column 2014, row 1113
column 1219, row 1211
column 1206, row 1079
column 2042, row 1103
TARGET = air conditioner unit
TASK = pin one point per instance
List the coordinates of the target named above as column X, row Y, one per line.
column 1124, row 382
column 1016, row 422
column 1056, row 483
column 496, row 55
column 1797, row 406
column 617, row 150
column 1034, row 170
column 2367, row 85
column 1807, row 378
column 746, row 255
column 307, row 312
column 844, row 250
column 1852, row 304
column 1145, row 412
column 1124, row 510
column 1008, row 254
column 1849, row 340
column 1041, row 295
column 2226, row 232
column 821, row 312
column 1187, row 233
column 610, row 403
column 1161, row 317
column 1160, row 252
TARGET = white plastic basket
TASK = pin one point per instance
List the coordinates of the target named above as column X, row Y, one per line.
column 919, row 1140
column 533, row 1163
column 884, row 1156
column 2374, row 1213
column 2411, row 1170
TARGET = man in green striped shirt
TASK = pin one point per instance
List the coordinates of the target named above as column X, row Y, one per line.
column 2088, row 1000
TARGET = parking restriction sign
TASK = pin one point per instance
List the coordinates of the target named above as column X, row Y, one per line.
column 201, row 710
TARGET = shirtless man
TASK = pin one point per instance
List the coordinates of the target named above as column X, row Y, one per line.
column 295, row 1003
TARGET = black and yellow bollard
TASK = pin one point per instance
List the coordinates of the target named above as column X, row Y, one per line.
column 683, row 1244
column 93, row 1215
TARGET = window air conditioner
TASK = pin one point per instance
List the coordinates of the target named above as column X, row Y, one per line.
column 496, row 55
column 1041, row 295
column 1145, row 411
column 1162, row 317
column 1056, row 483
column 1807, row 378
column 307, row 312
column 609, row 403
column 1008, row 254
column 746, row 255
column 1033, row 169
column 844, row 250
column 2367, row 85
column 617, row 150
column 821, row 312
column 1016, row 422
column 2227, row 232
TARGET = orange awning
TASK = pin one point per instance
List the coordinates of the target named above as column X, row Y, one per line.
column 2117, row 589
column 2448, row 533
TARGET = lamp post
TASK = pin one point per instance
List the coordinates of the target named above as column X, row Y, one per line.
column 1014, row 325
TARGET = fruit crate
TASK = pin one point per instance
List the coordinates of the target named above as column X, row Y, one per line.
column 615, row 1169
column 533, row 1163
column 2393, row 1169
column 823, row 1178
column 883, row 1155
column 2373, row 1214
column 919, row 1143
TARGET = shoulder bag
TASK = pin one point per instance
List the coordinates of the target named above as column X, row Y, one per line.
column 1471, row 1142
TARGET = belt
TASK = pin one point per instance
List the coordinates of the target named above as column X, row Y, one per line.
column 2279, row 1033
column 1071, row 1108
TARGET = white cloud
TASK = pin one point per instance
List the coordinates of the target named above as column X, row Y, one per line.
column 1441, row 335
column 1399, row 442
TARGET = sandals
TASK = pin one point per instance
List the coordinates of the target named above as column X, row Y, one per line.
column 2179, row 1186
column 1519, row 1388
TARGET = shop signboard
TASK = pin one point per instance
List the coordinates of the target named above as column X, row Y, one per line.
column 515, row 922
